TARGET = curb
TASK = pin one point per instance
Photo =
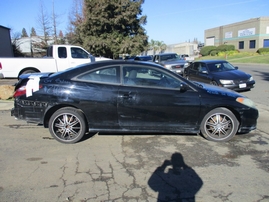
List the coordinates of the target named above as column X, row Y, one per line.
column 6, row 105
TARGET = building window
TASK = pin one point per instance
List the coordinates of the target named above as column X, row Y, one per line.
column 241, row 44
column 266, row 43
column 252, row 44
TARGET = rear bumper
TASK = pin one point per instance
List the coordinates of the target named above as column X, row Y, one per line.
column 1, row 75
column 28, row 111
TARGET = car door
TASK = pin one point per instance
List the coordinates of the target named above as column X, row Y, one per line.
column 193, row 72
column 78, row 56
column 97, row 95
column 150, row 100
column 203, row 73
column 62, row 59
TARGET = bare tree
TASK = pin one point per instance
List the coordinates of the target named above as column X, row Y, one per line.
column 45, row 28
column 75, row 17
column 54, row 17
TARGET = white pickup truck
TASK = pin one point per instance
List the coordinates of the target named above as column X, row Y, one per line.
column 59, row 57
column 186, row 57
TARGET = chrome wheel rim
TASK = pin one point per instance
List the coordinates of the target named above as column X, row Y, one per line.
column 66, row 126
column 219, row 126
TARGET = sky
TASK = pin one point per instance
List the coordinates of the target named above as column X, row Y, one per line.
column 169, row 21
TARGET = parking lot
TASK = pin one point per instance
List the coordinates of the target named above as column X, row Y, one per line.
column 35, row 167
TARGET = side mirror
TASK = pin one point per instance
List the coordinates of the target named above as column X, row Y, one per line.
column 92, row 58
column 236, row 67
column 184, row 87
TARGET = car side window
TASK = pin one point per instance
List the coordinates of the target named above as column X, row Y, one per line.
column 105, row 75
column 148, row 77
column 78, row 53
column 202, row 68
column 196, row 66
column 62, row 52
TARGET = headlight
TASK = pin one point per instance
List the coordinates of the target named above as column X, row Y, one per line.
column 251, row 78
column 246, row 101
column 226, row 82
column 168, row 66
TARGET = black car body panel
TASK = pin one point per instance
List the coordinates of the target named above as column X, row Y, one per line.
column 205, row 71
column 114, row 105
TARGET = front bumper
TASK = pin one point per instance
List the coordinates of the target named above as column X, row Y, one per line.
column 241, row 86
column 248, row 120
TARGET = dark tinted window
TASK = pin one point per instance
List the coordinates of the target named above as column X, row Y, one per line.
column 252, row 44
column 105, row 75
column 62, row 52
column 148, row 77
column 241, row 45
column 79, row 53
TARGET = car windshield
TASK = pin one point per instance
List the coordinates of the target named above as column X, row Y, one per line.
column 169, row 57
column 220, row 67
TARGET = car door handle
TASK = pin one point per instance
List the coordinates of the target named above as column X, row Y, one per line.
column 126, row 96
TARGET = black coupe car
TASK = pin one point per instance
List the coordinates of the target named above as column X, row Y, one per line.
column 118, row 96
column 219, row 73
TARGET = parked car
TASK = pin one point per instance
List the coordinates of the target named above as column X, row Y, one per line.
column 186, row 57
column 119, row 96
column 171, row 61
column 143, row 58
column 219, row 73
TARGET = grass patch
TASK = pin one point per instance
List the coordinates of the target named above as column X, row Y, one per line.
column 241, row 58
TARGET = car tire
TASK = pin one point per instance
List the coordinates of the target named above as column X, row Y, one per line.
column 219, row 125
column 67, row 125
column 214, row 83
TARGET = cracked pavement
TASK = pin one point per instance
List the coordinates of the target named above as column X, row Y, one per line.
column 106, row 168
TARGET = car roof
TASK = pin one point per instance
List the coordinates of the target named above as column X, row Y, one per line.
column 165, row 53
column 211, row 61
column 119, row 62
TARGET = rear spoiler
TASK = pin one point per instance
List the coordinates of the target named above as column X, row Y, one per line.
column 40, row 75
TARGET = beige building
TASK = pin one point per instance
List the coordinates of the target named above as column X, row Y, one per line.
column 246, row 36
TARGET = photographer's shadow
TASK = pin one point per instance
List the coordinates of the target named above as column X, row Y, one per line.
column 178, row 183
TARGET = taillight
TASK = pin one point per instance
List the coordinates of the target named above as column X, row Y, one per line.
column 0, row 66
column 22, row 91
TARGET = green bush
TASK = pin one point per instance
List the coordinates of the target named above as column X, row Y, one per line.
column 213, row 53
column 224, row 47
column 206, row 50
column 263, row 50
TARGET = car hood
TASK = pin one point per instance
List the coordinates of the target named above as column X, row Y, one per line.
column 231, row 75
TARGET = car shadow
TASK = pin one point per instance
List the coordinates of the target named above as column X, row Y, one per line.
column 175, row 181
column 90, row 135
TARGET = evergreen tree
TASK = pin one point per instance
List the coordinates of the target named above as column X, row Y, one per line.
column 33, row 32
column 24, row 33
column 110, row 28
column 61, row 39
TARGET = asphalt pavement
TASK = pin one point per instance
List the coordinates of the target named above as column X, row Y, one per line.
column 262, row 120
